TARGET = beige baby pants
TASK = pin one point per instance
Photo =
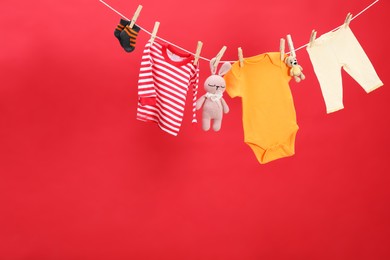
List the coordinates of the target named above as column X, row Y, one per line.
column 333, row 51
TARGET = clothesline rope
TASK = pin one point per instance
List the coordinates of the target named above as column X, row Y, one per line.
column 296, row 49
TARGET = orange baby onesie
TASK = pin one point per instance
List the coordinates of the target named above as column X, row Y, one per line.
column 268, row 110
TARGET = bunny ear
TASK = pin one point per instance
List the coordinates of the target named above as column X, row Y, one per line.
column 212, row 67
column 224, row 69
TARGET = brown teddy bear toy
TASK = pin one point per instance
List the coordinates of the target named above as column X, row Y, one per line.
column 295, row 68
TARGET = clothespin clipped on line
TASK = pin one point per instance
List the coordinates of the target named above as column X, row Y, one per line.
column 312, row 38
column 348, row 20
column 135, row 16
column 218, row 57
column 240, row 57
column 282, row 45
column 291, row 45
column 154, row 33
column 197, row 53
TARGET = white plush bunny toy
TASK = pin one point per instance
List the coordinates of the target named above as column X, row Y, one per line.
column 213, row 103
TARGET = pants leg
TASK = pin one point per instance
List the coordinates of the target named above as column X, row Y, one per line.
column 355, row 61
column 328, row 71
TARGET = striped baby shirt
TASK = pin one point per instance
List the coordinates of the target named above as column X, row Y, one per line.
column 166, row 75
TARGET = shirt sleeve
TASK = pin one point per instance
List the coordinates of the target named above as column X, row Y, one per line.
column 194, row 82
column 145, row 79
column 233, row 87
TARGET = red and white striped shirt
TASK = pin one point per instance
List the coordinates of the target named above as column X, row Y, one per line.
column 165, row 77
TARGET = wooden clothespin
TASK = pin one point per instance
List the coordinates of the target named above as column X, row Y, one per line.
column 291, row 45
column 219, row 56
column 282, row 45
column 348, row 20
column 154, row 33
column 312, row 38
column 135, row 17
column 240, row 57
column 197, row 53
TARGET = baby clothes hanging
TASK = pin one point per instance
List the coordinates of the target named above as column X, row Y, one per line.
column 166, row 75
column 333, row 51
column 269, row 118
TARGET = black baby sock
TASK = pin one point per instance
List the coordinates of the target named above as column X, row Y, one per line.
column 122, row 24
column 128, row 37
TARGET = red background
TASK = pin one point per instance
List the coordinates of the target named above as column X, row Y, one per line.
column 82, row 179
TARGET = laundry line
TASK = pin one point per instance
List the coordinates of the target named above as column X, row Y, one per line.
column 203, row 58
